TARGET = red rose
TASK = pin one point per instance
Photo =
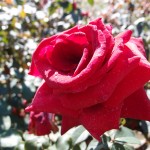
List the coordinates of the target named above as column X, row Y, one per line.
column 41, row 123
column 91, row 78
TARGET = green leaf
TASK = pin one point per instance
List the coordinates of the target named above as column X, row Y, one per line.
column 4, row 110
column 20, row 146
column 124, row 132
column 91, row 2
column 73, row 137
column 127, row 147
column 5, row 40
column 126, row 135
column 105, row 139
column 63, row 142
column 52, row 9
column 53, row 147
column 19, row 2
column 76, row 147
column 69, row 8
column 130, row 140
column 117, row 146
column 46, row 144
column 79, row 135
column 10, row 138
column 30, row 145
column 42, row 140
column 93, row 144
column 83, row 145
column 6, row 122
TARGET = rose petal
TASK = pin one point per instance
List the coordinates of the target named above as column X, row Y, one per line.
column 45, row 42
column 83, row 62
column 98, row 23
column 137, row 106
column 64, row 81
column 68, row 123
column 101, row 70
column 39, row 123
column 106, row 31
column 132, row 82
column 45, row 101
column 98, row 119
column 33, row 70
column 97, row 93
column 126, row 35
column 109, row 28
column 67, row 52
column 137, row 47
column 78, row 39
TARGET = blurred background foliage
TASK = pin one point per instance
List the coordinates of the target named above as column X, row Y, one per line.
column 23, row 24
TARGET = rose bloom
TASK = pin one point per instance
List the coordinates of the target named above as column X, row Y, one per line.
column 41, row 123
column 91, row 78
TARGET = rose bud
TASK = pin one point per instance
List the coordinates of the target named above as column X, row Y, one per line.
column 41, row 123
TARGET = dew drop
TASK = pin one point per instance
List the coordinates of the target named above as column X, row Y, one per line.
column 46, row 73
column 56, row 75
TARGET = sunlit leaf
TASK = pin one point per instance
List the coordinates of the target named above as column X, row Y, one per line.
column 126, row 135
column 82, row 137
column 93, row 144
column 79, row 135
column 130, row 140
column 91, row 2
column 69, row 8
column 118, row 146
column 63, row 142
column 124, row 132
column 54, row 6
column 83, row 145
column 127, row 147
column 10, row 138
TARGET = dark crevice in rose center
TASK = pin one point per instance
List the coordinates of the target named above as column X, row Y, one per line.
column 71, row 59
column 65, row 57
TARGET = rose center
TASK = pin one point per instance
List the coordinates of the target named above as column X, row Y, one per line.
column 65, row 57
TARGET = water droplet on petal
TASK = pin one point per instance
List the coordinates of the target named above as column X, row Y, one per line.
column 56, row 76
column 46, row 73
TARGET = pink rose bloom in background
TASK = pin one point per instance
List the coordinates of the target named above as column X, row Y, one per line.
column 91, row 78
